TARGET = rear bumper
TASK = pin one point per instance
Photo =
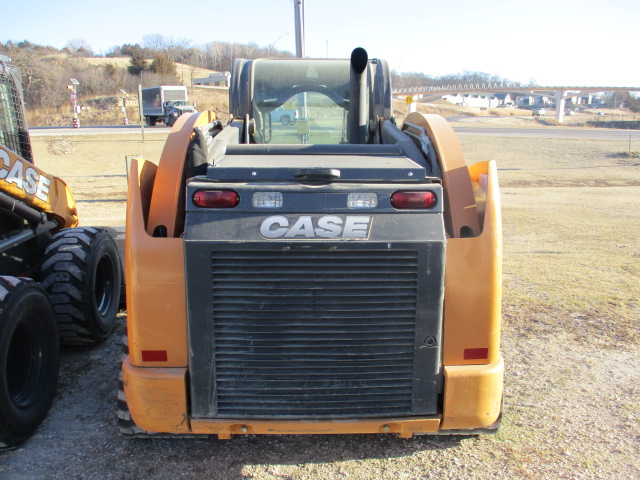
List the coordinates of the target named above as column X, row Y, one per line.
column 157, row 399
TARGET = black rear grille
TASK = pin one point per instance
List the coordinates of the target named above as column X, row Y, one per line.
column 311, row 334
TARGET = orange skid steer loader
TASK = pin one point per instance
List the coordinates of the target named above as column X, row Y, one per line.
column 339, row 274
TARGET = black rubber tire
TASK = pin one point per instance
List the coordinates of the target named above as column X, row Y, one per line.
column 29, row 358
column 151, row 121
column 81, row 271
column 285, row 120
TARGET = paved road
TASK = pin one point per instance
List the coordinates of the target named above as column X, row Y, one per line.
column 552, row 132
column 95, row 130
column 541, row 132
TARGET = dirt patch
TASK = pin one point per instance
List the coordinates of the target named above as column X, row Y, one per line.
column 571, row 411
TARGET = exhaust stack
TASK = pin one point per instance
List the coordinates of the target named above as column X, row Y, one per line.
column 357, row 118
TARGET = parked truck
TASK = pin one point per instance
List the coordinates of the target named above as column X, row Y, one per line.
column 59, row 283
column 165, row 104
column 340, row 277
column 285, row 117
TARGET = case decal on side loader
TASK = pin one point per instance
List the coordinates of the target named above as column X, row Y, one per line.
column 26, row 182
column 24, row 177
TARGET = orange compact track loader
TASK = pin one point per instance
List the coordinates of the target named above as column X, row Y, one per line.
column 337, row 274
column 59, row 283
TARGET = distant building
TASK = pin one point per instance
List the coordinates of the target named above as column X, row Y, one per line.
column 588, row 99
column 504, row 98
column 534, row 101
column 478, row 100
column 455, row 98
column 216, row 79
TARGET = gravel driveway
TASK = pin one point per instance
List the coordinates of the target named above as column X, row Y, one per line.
column 571, row 411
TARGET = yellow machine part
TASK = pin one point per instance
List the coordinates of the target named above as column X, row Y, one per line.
column 157, row 400
column 25, row 182
column 473, row 268
column 156, row 386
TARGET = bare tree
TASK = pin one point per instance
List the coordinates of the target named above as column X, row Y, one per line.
column 171, row 47
column 79, row 47
column 214, row 55
column 194, row 58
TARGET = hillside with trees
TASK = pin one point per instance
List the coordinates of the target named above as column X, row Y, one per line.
column 46, row 72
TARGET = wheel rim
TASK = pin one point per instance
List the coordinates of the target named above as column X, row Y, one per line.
column 103, row 290
column 25, row 364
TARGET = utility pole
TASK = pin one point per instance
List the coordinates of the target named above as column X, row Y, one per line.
column 303, row 124
column 298, row 8
column 140, row 113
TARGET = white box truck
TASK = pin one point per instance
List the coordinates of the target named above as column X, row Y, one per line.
column 165, row 104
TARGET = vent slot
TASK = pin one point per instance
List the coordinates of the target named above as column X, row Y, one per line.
column 312, row 334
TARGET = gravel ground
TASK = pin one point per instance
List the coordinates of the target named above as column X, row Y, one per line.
column 571, row 411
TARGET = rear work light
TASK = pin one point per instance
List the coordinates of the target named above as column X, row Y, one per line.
column 362, row 200
column 413, row 200
column 267, row 200
column 216, row 198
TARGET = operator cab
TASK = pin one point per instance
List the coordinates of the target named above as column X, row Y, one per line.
column 319, row 91
column 335, row 102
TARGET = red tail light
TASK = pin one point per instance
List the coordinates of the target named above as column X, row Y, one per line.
column 216, row 198
column 413, row 200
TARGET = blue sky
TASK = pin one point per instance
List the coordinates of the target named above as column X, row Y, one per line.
column 554, row 42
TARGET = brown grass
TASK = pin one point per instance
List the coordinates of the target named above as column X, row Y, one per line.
column 105, row 111
column 210, row 99
column 571, row 213
column 94, row 168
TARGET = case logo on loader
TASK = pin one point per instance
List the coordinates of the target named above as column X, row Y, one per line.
column 24, row 177
column 307, row 226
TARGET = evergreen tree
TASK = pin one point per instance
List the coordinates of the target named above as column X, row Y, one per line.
column 138, row 63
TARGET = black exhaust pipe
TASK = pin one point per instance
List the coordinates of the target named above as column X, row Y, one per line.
column 357, row 118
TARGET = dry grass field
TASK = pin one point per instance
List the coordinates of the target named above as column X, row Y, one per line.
column 571, row 213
